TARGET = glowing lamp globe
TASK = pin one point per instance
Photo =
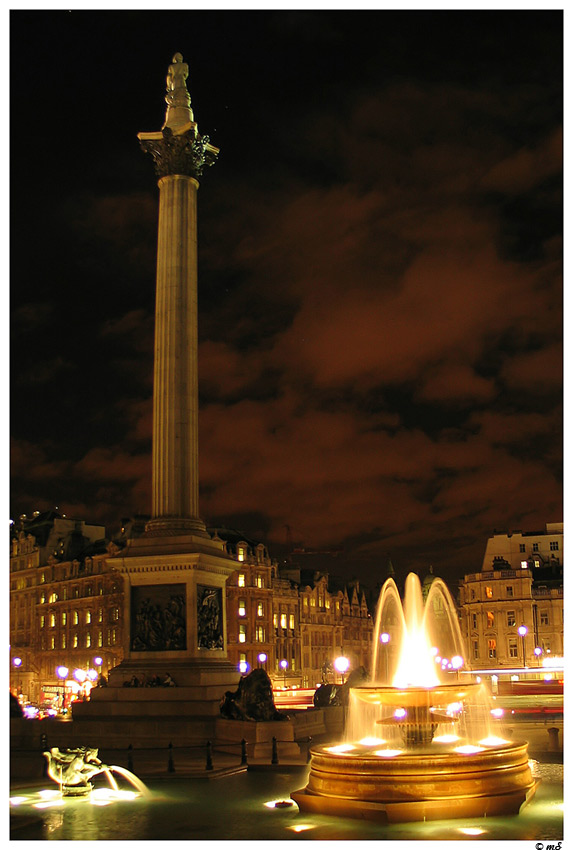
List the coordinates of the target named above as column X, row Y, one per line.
column 342, row 664
column 62, row 672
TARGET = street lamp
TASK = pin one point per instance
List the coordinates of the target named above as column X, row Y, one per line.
column 284, row 665
column 522, row 630
column 457, row 662
column 342, row 664
column 262, row 657
column 537, row 652
column 385, row 640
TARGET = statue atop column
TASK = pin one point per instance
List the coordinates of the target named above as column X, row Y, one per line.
column 179, row 112
column 178, row 148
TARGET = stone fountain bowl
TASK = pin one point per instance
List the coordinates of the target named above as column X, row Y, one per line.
column 418, row 785
column 416, row 697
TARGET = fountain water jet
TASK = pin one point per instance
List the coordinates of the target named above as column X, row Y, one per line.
column 419, row 742
column 74, row 769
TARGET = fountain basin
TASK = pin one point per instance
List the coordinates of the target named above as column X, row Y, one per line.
column 420, row 785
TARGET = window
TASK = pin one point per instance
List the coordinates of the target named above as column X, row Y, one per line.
column 100, row 639
column 260, row 634
column 260, row 581
column 291, row 621
column 276, row 620
column 492, row 648
column 490, row 619
column 242, row 608
column 536, row 547
column 53, row 642
column 42, row 621
column 52, row 620
column 509, row 590
column 260, row 610
column 114, row 614
column 241, row 580
column 242, row 634
column 312, row 602
column 283, row 621
column 42, row 578
column 474, row 621
column 537, row 563
column 544, row 618
column 511, row 618
column 75, row 641
column 100, row 615
column 522, row 547
column 512, row 648
column 476, row 648
column 554, row 546
column 327, row 602
column 488, row 591
column 473, row 593
column 42, row 598
column 524, row 565
column 53, row 597
column 75, row 618
column 113, row 636
column 88, row 617
column 63, row 641
column 305, row 602
column 546, row 645
column 64, row 618
column 88, row 640
column 240, row 553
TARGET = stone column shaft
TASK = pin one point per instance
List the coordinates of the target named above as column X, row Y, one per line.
column 175, row 499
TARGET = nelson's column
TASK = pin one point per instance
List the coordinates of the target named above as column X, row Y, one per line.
column 174, row 574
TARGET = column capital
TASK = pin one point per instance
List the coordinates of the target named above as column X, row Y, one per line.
column 185, row 153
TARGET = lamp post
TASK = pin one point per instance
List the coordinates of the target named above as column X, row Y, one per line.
column 522, row 630
column 537, row 652
column 262, row 657
column 284, row 665
column 342, row 664
column 457, row 662
column 385, row 640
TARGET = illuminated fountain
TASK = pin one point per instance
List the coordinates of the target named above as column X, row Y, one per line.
column 74, row 769
column 419, row 741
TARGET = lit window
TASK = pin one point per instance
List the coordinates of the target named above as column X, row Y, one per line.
column 488, row 591
column 75, row 618
column 242, row 634
column 53, row 642
column 99, row 639
column 42, row 578
column 52, row 620
column 260, row 634
column 490, row 619
column 42, row 621
column 312, row 602
column 100, row 615
column 260, row 581
column 242, row 608
column 305, row 602
column 537, row 563
column 63, row 641
column 64, row 618
column 275, row 620
column 88, row 617
column 327, row 602
column 75, row 641
column 291, row 621
column 240, row 553
column 88, row 640
column 114, row 613
column 524, row 565
column 492, row 648
column 53, row 597
column 260, row 610
column 241, row 580
column 113, row 637
column 511, row 618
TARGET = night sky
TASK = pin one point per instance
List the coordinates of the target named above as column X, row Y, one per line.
column 380, row 259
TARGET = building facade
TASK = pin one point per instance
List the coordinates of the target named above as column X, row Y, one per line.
column 512, row 611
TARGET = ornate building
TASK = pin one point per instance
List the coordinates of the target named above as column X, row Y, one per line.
column 512, row 611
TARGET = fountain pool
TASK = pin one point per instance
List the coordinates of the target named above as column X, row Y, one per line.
column 420, row 740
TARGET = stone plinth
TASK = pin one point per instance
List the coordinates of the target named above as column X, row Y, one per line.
column 259, row 737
